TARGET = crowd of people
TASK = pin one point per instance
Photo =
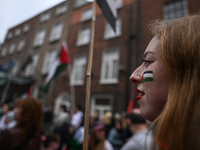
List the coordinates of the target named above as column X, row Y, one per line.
column 27, row 125
column 168, row 85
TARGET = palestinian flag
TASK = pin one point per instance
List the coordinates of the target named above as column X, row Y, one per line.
column 58, row 66
column 109, row 10
column 147, row 76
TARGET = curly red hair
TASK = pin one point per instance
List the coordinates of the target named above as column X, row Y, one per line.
column 30, row 117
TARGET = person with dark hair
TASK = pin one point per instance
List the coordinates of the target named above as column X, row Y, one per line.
column 5, row 110
column 27, row 131
column 115, row 135
column 76, row 119
column 50, row 141
column 98, row 139
column 141, row 138
column 76, row 129
column 62, row 117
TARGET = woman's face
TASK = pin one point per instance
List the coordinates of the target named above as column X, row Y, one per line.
column 100, row 134
column 152, row 83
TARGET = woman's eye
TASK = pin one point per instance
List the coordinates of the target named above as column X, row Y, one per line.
column 146, row 62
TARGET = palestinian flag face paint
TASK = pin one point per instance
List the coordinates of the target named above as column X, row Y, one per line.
column 147, row 76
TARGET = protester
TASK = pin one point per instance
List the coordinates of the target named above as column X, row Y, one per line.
column 108, row 121
column 115, row 135
column 141, row 138
column 98, row 138
column 62, row 117
column 127, row 132
column 26, row 133
column 5, row 110
column 168, row 83
column 75, row 129
column 50, row 141
column 10, row 119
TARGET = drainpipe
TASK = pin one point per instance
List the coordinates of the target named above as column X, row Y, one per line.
column 132, row 37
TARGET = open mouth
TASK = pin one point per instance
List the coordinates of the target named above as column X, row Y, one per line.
column 140, row 94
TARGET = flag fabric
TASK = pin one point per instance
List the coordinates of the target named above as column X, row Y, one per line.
column 147, row 76
column 131, row 103
column 109, row 10
column 30, row 90
column 58, row 66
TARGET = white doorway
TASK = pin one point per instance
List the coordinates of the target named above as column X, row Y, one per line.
column 101, row 104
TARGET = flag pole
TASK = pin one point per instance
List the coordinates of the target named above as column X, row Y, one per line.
column 72, row 91
column 88, row 85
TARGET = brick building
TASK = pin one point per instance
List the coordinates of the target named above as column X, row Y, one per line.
column 34, row 44
column 116, row 55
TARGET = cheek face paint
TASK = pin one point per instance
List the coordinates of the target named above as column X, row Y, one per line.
column 147, row 76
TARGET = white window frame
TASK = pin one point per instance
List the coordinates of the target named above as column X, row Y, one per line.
column 56, row 32
column 21, row 45
column 31, row 67
column 80, row 3
column 83, row 37
column 50, row 58
column 101, row 108
column 12, row 48
column 39, row 38
column 109, row 32
column 174, row 10
column 119, row 3
column 9, row 36
column 15, row 68
column 17, row 32
column 87, row 15
column 108, row 66
column 61, row 9
column 45, row 17
column 3, row 51
column 26, row 28
column 79, row 70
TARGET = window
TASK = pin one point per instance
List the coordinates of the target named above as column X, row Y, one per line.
column 110, row 67
column 30, row 68
column 15, row 68
column 9, row 36
column 17, row 32
column 101, row 104
column 39, row 39
column 56, row 32
column 175, row 10
column 109, row 32
column 48, row 61
column 87, row 15
column 12, row 48
column 61, row 10
column 80, row 3
column 83, row 37
column 3, row 51
column 78, row 72
column 20, row 45
column 45, row 17
column 119, row 3
column 26, row 28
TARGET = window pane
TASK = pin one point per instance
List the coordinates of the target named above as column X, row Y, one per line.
column 175, row 10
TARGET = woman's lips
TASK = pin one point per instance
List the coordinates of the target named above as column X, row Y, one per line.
column 141, row 94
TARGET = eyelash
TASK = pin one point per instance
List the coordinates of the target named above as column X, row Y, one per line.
column 146, row 62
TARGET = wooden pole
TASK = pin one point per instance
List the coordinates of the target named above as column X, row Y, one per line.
column 88, row 85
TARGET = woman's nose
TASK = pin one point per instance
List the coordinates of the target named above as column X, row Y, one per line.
column 136, row 75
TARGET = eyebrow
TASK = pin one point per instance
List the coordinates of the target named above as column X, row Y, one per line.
column 145, row 54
